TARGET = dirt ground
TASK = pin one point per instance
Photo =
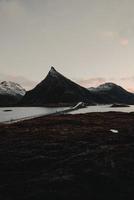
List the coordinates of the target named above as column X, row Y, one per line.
column 68, row 157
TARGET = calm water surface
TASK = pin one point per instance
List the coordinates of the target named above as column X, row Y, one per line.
column 20, row 113
column 103, row 108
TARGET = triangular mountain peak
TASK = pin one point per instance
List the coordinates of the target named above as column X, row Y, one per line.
column 53, row 72
column 52, row 69
column 56, row 89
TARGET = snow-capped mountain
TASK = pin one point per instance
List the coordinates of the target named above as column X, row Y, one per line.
column 103, row 87
column 58, row 90
column 112, row 93
column 11, row 88
column 10, row 93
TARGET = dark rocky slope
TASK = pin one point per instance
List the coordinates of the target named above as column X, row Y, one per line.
column 112, row 93
column 56, row 89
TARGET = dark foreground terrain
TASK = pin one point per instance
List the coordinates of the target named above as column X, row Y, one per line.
column 68, row 157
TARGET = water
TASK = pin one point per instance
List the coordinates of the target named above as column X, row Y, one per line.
column 103, row 108
column 18, row 113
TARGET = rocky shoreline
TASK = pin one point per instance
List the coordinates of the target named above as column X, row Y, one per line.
column 68, row 156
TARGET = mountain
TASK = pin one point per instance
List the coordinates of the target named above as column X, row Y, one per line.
column 103, row 87
column 56, row 89
column 10, row 93
column 112, row 93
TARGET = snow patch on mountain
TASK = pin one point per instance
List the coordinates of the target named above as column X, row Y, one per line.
column 103, row 87
column 11, row 88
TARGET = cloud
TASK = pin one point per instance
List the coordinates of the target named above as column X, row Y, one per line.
column 127, row 78
column 108, row 34
column 116, row 36
column 91, row 82
column 125, row 82
column 11, row 8
column 124, row 41
column 24, row 82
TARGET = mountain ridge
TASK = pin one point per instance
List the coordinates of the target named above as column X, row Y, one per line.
column 57, row 89
column 114, row 93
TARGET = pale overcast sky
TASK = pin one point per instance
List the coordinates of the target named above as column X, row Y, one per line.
column 90, row 41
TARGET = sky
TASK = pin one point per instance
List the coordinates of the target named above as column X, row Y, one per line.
column 89, row 41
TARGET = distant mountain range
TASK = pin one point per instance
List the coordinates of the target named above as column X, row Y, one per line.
column 113, row 93
column 57, row 90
